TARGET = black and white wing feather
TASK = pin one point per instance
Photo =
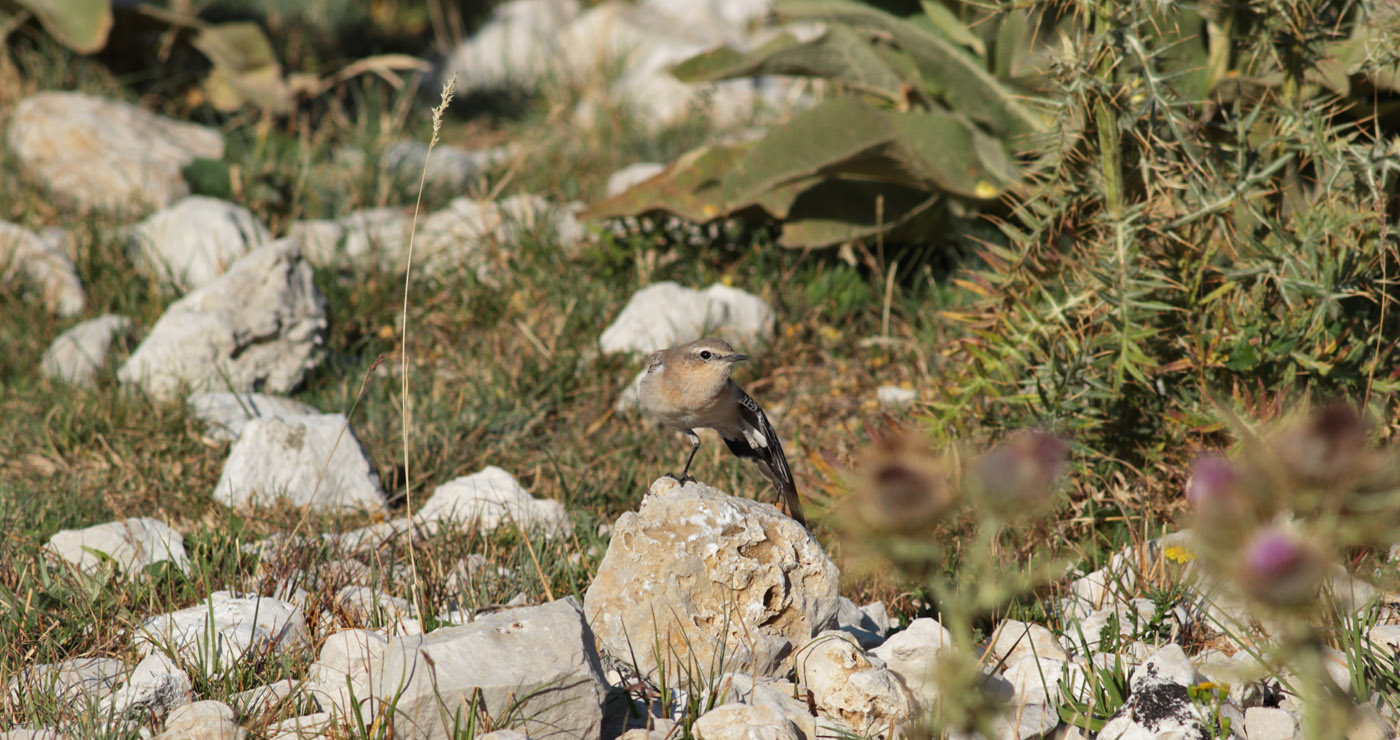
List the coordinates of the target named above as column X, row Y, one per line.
column 760, row 444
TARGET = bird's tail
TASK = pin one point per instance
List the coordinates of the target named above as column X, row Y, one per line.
column 793, row 503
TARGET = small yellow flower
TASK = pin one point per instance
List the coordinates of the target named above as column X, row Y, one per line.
column 984, row 189
column 386, row 332
column 830, row 332
column 1178, row 554
column 709, row 210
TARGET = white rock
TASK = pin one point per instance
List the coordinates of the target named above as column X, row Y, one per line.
column 1026, row 721
column 259, row 325
column 1015, row 640
column 103, row 153
column 256, row 702
column 202, row 720
column 502, row 735
column 312, row 461
column 1386, row 637
column 30, row 733
column 632, row 175
column 744, row 722
column 75, row 681
column 777, row 695
column 195, row 240
column 156, row 686
column 77, row 354
column 665, row 314
column 340, row 677
column 849, row 686
column 45, row 267
column 541, row 660
column 514, row 48
column 701, row 573
column 225, row 414
column 1039, row 680
column 1156, row 708
column 1268, row 723
column 1131, row 618
column 367, row 238
column 132, row 543
column 1168, row 664
column 913, row 656
column 220, row 633
column 1348, row 594
column 305, row 727
column 895, row 396
column 492, row 498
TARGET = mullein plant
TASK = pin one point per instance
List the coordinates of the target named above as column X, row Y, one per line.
column 907, row 498
column 1274, row 521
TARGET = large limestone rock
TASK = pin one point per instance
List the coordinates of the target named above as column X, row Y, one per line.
column 106, row 154
column 194, row 241
column 217, row 635
column 202, row 720
column 77, row 354
column 913, row 656
column 340, row 678
column 540, row 658
column 744, row 722
column 312, row 461
column 259, row 326
column 695, row 572
column 156, row 686
column 27, row 257
column 132, row 544
column 491, row 498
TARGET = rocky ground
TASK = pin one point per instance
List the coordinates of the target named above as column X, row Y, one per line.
column 707, row 615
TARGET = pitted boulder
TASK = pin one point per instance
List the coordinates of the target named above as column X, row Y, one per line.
column 696, row 574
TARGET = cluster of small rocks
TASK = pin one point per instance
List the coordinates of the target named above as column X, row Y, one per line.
column 726, row 600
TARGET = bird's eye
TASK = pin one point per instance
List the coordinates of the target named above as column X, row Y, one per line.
column 705, row 355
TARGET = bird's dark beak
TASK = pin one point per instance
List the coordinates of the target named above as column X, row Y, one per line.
column 736, row 357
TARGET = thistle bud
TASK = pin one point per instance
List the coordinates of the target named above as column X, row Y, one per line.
column 1019, row 475
column 1328, row 445
column 903, row 487
column 1278, row 568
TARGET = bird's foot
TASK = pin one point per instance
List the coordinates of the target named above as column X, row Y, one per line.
column 683, row 478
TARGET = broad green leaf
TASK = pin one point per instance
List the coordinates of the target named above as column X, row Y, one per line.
column 1013, row 38
column 942, row 20
column 689, row 188
column 839, row 54
column 245, row 68
column 843, row 136
column 81, row 25
column 961, row 79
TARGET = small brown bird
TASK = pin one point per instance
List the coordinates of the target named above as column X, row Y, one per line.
column 689, row 387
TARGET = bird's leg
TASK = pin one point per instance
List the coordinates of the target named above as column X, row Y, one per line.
column 685, row 477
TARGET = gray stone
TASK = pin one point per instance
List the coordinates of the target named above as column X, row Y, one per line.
column 912, row 654
column 777, row 695
column 1157, row 709
column 340, row 678
column 1015, row 640
column 514, row 48
column 1168, row 664
column 492, row 498
column 744, row 722
column 894, row 396
column 1026, row 721
column 311, row 461
column 202, row 720
column 1040, row 680
column 479, row 235
column 1267, row 723
column 695, row 574
column 258, row 326
column 541, row 658
column 256, row 702
column 77, row 354
column 850, row 686
column 194, row 241
column 102, row 153
column 665, row 314
column 219, row 634
column 73, row 681
column 26, row 257
column 305, row 727
column 132, row 544
column 372, row 607
column 156, row 686
column 868, row 629
column 225, row 414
